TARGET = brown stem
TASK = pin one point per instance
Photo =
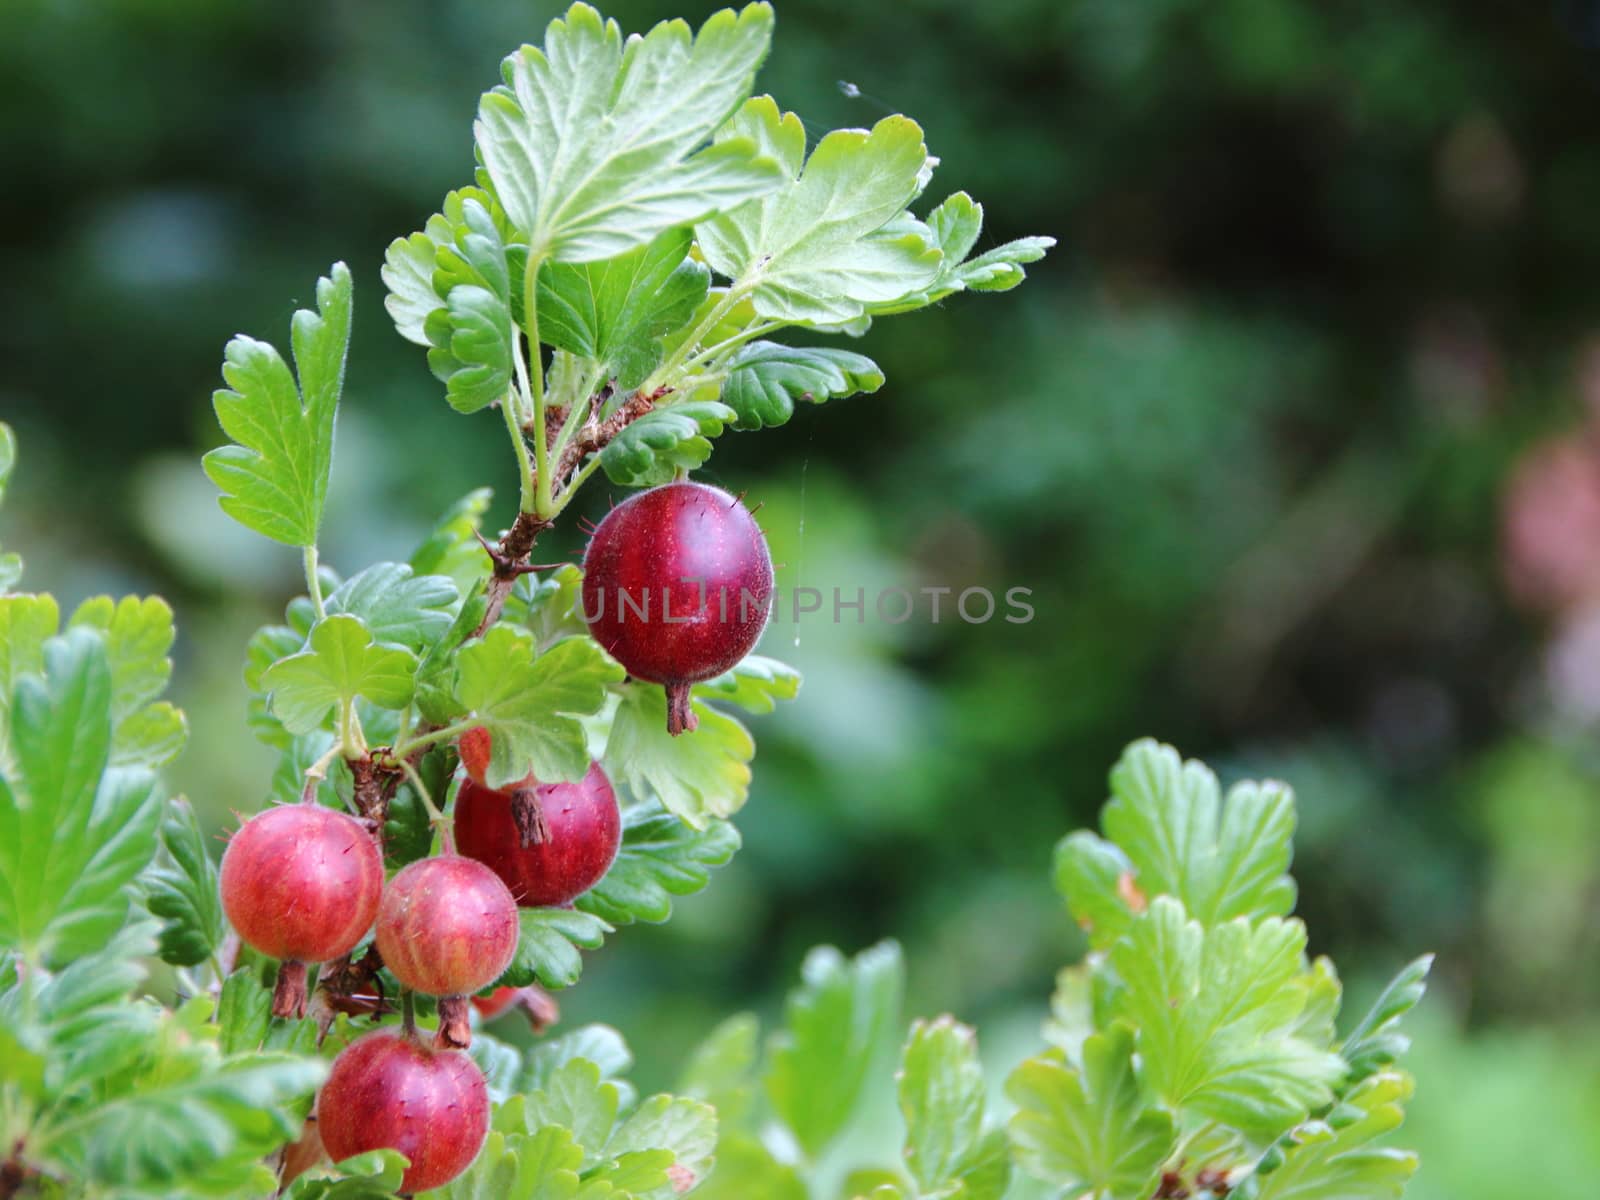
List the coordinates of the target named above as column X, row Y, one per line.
column 455, row 1024
column 528, row 813
column 289, row 996
column 510, row 559
column 595, row 435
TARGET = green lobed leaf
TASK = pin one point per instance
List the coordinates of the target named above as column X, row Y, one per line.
column 942, row 1098
column 529, row 702
column 10, row 564
column 685, row 1129
column 660, row 857
column 451, row 548
column 745, row 1168
column 61, row 897
column 595, row 147
column 1377, row 1039
column 547, row 951
column 26, row 624
column 1336, row 1159
column 838, row 1029
column 721, row 1069
column 765, row 380
column 668, row 439
column 955, row 225
column 697, row 778
column 398, row 606
column 274, row 477
column 138, row 635
column 821, row 249
column 181, row 889
column 411, row 268
column 599, row 1044
column 189, row 1116
column 1167, row 819
column 1089, row 1130
column 472, row 334
column 374, row 1175
column 514, row 1166
column 616, row 312
column 1218, row 1014
column 341, row 662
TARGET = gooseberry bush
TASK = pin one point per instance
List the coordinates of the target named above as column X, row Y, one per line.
column 486, row 768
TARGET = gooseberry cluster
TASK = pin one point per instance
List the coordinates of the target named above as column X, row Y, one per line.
column 677, row 584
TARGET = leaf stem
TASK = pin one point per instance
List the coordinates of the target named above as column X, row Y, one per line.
column 533, row 386
column 578, row 481
column 687, row 347
column 519, row 445
column 405, row 749
column 313, row 583
column 736, row 340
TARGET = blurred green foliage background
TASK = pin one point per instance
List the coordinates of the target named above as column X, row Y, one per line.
column 1290, row 438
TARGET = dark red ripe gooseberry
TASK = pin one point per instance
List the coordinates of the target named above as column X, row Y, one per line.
column 676, row 584
column 389, row 1091
column 447, row 926
column 301, row 883
column 583, row 831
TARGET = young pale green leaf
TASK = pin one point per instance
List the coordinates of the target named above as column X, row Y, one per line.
column 69, row 901
column 375, row 1175
column 696, row 778
column 1336, row 1159
column 942, row 1098
column 10, row 564
column 595, row 147
column 756, row 684
column 529, row 704
column 1218, row 1013
column 746, row 1168
column 616, row 312
column 398, row 606
column 514, row 1166
column 274, row 478
column 138, row 634
column 685, row 1129
column 599, row 1044
column 661, row 857
column 472, row 333
column 765, row 380
column 837, row 1031
column 436, row 674
column 26, row 624
column 1096, row 880
column 181, row 889
column 577, row 1099
column 340, row 662
column 721, row 1069
column 672, row 438
column 547, row 951
column 1089, row 1131
column 632, row 1154
column 500, row 1062
column 1167, row 818
column 822, row 250
column 553, row 604
column 1377, row 1039
column 451, row 548
column 954, row 227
